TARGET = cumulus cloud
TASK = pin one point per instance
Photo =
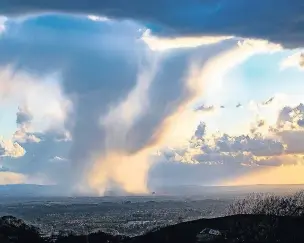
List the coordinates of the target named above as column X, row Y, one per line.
column 240, row 160
column 32, row 154
column 215, row 17
column 225, row 149
column 11, row 149
column 42, row 102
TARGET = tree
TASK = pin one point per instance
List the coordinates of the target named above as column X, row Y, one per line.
column 269, row 204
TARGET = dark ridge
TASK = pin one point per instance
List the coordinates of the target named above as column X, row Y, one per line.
column 231, row 229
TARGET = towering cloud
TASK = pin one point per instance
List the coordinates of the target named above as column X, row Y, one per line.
column 99, row 99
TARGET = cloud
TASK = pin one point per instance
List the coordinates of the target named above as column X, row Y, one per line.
column 23, row 116
column 42, row 102
column 3, row 169
column 32, row 154
column 127, row 100
column 97, row 18
column 156, row 43
column 204, row 108
column 42, row 158
column 239, row 105
column 3, row 20
column 269, row 101
column 225, row 149
column 181, row 18
column 200, row 131
column 267, row 158
column 285, row 160
column 295, row 60
column 294, row 141
column 11, row 178
column 11, row 149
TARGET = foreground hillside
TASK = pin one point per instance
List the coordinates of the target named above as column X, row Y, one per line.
column 237, row 228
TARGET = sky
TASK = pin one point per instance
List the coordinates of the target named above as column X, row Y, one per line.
column 109, row 95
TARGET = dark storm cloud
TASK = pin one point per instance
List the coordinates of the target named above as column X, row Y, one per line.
column 276, row 20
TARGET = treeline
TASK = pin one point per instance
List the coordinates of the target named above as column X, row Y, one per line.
column 269, row 204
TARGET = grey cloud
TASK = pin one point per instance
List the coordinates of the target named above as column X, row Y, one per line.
column 257, row 146
column 200, row 131
column 240, row 150
column 291, row 115
column 269, row 101
column 275, row 161
column 301, row 123
column 204, row 108
column 238, row 105
column 283, row 24
column 284, row 115
column 215, row 158
column 37, row 160
column 294, row 141
column 23, row 116
column 177, row 173
column 261, row 123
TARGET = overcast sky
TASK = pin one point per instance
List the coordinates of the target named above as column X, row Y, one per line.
column 103, row 94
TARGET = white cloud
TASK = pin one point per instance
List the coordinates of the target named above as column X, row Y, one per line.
column 3, row 20
column 44, row 99
column 161, row 44
column 11, row 149
column 58, row 159
column 295, row 60
column 98, row 18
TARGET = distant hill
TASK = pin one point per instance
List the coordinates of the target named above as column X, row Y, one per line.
column 230, row 191
column 230, row 229
column 31, row 190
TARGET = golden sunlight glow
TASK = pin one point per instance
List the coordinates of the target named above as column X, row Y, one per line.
column 128, row 171
column 284, row 174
